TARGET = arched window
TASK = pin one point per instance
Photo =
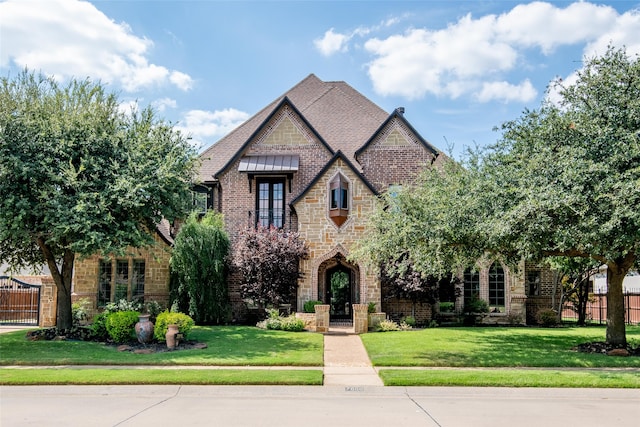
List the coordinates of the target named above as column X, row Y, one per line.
column 339, row 200
column 471, row 285
column 496, row 286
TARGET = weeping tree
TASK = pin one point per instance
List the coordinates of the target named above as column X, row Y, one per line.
column 78, row 176
column 268, row 259
column 199, row 269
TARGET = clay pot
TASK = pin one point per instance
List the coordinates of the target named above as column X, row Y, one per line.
column 172, row 336
column 144, row 329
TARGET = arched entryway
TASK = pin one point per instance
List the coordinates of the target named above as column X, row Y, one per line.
column 338, row 287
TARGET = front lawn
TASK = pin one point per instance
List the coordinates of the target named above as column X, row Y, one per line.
column 226, row 346
column 494, row 347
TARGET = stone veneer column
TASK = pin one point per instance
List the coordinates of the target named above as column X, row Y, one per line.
column 48, row 302
column 322, row 318
column 360, row 318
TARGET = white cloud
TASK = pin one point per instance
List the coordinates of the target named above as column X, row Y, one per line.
column 163, row 104
column 332, row 43
column 68, row 38
column 204, row 126
column 475, row 56
column 506, row 92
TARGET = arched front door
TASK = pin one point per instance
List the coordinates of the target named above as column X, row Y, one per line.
column 339, row 288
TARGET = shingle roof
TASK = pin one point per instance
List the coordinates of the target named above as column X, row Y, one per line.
column 342, row 116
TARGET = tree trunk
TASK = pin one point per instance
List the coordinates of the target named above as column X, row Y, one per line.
column 616, row 333
column 62, row 278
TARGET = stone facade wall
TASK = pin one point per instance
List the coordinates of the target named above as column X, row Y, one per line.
column 156, row 281
column 326, row 240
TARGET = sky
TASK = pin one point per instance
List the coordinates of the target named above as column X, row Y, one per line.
column 459, row 68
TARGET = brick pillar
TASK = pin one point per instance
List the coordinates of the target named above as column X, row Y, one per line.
column 48, row 302
column 360, row 318
column 322, row 318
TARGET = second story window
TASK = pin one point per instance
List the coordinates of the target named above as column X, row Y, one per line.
column 339, row 200
column 270, row 202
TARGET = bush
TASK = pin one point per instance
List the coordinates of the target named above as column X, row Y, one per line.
column 121, row 325
column 309, row 306
column 122, row 305
column 387, row 326
column 99, row 327
column 476, row 305
column 80, row 311
column 547, row 317
column 276, row 322
column 409, row 321
column 153, row 308
column 447, row 307
column 166, row 318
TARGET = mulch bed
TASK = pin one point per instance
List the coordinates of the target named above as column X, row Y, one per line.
column 82, row 334
column 601, row 347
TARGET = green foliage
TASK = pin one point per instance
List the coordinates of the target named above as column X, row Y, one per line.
column 80, row 311
column 282, row 323
column 153, row 308
column 268, row 259
column 547, row 317
column 122, row 305
column 309, row 306
column 121, row 325
column 166, row 318
column 99, row 327
column 371, row 307
column 79, row 176
column 199, row 269
column 476, row 305
column 409, row 321
column 447, row 307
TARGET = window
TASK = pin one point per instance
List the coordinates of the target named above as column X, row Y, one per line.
column 339, row 200
column 533, row 283
column 270, row 202
column 127, row 283
column 471, row 285
column 496, row 286
column 199, row 202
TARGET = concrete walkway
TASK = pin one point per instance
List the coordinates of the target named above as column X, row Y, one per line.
column 346, row 362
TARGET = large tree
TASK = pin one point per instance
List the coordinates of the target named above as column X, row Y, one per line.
column 79, row 176
column 563, row 180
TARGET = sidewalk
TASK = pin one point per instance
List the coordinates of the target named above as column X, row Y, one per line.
column 346, row 362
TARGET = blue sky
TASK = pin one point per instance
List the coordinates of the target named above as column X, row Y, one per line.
column 459, row 68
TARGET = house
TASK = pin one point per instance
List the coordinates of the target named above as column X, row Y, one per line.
column 313, row 161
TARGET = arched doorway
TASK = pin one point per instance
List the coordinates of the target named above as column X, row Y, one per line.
column 338, row 287
column 340, row 292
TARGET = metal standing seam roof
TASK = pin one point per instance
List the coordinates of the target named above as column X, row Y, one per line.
column 270, row 163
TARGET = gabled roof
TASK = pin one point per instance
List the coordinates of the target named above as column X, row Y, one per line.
column 341, row 156
column 341, row 116
column 398, row 113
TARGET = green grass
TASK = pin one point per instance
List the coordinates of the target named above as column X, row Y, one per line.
column 227, row 346
column 510, row 378
column 494, row 347
column 46, row 376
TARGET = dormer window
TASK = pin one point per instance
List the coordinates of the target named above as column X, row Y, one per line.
column 339, row 200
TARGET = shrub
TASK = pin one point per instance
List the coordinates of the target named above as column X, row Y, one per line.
column 547, row 317
column 121, row 325
column 309, row 306
column 476, row 305
column 153, row 308
column 447, row 307
column 99, row 327
column 80, row 311
column 122, row 305
column 276, row 322
column 387, row 326
column 409, row 320
column 166, row 318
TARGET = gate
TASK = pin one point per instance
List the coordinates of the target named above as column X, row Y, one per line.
column 19, row 302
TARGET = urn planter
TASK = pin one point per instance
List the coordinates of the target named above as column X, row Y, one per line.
column 144, row 329
column 172, row 336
